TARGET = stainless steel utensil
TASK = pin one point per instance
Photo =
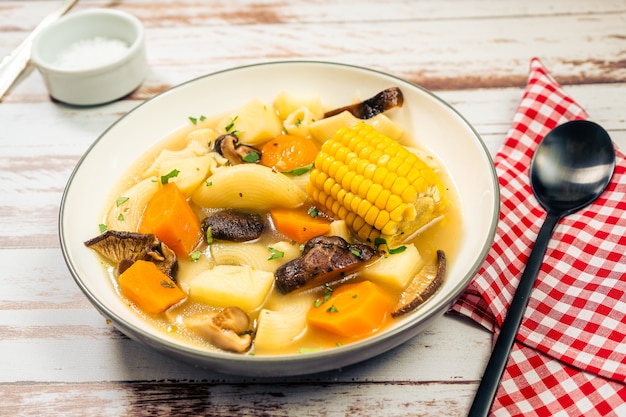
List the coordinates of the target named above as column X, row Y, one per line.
column 14, row 64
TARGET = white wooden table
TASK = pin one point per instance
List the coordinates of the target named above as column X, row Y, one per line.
column 59, row 357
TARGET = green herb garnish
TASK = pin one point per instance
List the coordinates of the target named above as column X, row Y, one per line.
column 231, row 124
column 172, row 174
column 379, row 241
column 252, row 158
column 275, row 254
column 301, row 170
column 209, row 236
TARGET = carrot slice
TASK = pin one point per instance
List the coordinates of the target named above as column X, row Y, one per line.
column 352, row 309
column 171, row 219
column 148, row 288
column 288, row 152
column 298, row 225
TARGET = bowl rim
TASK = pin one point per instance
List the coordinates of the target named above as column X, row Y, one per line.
column 297, row 364
column 134, row 48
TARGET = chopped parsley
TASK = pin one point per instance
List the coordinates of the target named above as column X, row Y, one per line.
column 120, row 217
column 229, row 126
column 102, row 227
column 275, row 254
column 313, row 212
column 209, row 236
column 195, row 255
column 328, row 291
column 332, row 309
column 252, row 157
column 301, row 170
column 167, row 177
column 121, row 200
column 379, row 241
column 195, row 120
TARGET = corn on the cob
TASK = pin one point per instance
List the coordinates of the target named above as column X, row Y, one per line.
column 376, row 185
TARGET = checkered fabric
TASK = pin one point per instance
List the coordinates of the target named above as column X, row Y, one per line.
column 570, row 354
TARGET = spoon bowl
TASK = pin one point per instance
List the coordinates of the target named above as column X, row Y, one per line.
column 570, row 168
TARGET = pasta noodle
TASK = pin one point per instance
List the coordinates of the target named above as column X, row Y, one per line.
column 128, row 208
column 298, row 122
column 256, row 255
column 194, row 149
column 248, row 186
column 190, row 172
column 282, row 321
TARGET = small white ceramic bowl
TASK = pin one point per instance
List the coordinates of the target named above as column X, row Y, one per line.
column 431, row 121
column 91, row 57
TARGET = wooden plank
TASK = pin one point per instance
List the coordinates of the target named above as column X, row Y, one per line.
column 427, row 44
column 139, row 399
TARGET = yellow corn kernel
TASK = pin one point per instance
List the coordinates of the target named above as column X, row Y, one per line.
column 377, row 186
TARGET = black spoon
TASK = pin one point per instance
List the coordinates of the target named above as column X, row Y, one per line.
column 571, row 167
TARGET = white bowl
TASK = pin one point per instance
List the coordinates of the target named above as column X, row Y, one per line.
column 433, row 122
column 91, row 57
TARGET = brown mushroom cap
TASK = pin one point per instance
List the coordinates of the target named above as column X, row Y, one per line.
column 124, row 248
column 227, row 329
column 237, row 153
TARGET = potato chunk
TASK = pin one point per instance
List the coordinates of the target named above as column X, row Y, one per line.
column 395, row 270
column 232, row 285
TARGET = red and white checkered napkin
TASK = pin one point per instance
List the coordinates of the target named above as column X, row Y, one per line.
column 570, row 355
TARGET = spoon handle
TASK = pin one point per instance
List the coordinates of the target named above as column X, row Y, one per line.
column 500, row 355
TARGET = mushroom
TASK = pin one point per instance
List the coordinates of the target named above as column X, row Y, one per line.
column 124, row 248
column 422, row 287
column 234, row 225
column 227, row 329
column 381, row 102
column 323, row 259
column 237, row 153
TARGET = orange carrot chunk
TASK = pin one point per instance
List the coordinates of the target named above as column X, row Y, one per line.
column 299, row 225
column 352, row 309
column 148, row 288
column 285, row 153
column 171, row 219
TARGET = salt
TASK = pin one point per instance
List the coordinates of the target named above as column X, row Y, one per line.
column 91, row 53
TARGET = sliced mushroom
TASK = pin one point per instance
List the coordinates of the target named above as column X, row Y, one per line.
column 380, row 103
column 422, row 287
column 228, row 330
column 124, row 248
column 237, row 153
column 234, row 225
column 323, row 259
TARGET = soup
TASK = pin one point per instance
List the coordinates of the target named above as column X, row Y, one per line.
column 281, row 228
